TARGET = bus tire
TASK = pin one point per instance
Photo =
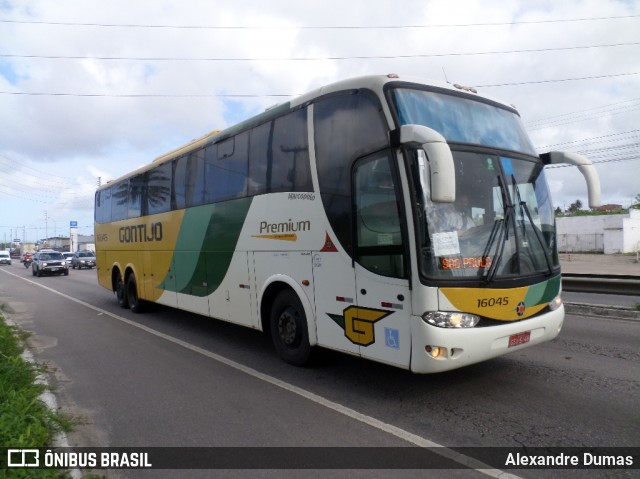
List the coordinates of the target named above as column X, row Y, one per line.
column 288, row 326
column 136, row 304
column 121, row 293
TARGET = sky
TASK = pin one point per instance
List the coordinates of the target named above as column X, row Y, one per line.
column 90, row 90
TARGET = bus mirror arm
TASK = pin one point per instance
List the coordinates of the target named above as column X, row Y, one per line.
column 584, row 166
column 442, row 175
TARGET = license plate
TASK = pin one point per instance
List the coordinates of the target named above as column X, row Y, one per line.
column 520, row 338
column 55, row 269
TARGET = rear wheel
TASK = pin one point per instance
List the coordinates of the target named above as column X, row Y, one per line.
column 135, row 303
column 121, row 293
column 288, row 325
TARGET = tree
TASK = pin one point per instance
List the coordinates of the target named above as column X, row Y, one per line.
column 636, row 202
column 575, row 206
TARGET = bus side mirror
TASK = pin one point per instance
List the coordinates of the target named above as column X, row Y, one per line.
column 442, row 175
column 584, row 165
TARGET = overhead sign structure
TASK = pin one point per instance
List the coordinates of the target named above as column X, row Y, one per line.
column 73, row 226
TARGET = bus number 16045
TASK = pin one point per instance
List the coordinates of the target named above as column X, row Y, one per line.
column 490, row 302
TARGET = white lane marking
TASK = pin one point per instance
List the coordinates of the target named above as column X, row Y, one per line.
column 339, row 408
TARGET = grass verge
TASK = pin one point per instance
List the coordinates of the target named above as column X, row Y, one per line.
column 25, row 420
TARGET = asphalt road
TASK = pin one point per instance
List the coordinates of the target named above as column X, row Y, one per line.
column 169, row 378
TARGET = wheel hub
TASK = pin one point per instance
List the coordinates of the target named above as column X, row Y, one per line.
column 287, row 327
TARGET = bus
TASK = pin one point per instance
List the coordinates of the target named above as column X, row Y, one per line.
column 399, row 220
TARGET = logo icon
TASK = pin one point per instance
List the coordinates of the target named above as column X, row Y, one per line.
column 358, row 323
column 23, row 457
column 520, row 308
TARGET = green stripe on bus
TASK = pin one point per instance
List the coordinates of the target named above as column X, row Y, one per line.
column 205, row 246
column 543, row 292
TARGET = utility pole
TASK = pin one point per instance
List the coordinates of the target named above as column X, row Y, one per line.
column 46, row 226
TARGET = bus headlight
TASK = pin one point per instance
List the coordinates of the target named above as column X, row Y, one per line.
column 555, row 303
column 454, row 319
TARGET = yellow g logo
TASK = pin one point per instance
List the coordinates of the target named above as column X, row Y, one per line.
column 358, row 323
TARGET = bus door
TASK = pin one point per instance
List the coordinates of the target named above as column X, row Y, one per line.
column 381, row 322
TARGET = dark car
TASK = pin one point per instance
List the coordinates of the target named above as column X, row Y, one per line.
column 83, row 259
column 49, row 262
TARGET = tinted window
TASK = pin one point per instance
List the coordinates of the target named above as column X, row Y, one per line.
column 158, row 190
column 119, row 201
column 346, row 127
column 378, row 226
column 290, row 149
column 103, row 206
column 137, row 204
column 259, row 145
column 226, row 169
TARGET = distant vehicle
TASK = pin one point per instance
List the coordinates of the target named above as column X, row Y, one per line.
column 83, row 259
column 5, row 257
column 27, row 258
column 68, row 256
column 48, row 261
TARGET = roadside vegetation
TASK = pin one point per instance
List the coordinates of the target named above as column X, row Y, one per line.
column 25, row 420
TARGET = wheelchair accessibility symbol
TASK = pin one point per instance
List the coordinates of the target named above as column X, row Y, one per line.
column 391, row 338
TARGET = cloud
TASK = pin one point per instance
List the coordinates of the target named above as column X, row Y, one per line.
column 140, row 107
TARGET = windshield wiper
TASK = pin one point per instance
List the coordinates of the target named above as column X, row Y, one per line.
column 503, row 233
column 524, row 208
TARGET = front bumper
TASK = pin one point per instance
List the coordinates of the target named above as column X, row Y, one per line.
column 473, row 345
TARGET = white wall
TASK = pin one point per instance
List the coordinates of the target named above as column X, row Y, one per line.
column 620, row 233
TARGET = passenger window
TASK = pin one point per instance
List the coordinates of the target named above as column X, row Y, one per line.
column 259, row 141
column 158, row 191
column 119, row 201
column 137, row 203
column 347, row 126
column 226, row 170
column 290, row 169
column 103, row 206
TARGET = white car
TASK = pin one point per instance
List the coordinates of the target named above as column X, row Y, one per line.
column 67, row 257
column 5, row 257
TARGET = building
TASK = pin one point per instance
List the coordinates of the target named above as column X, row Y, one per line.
column 608, row 234
column 62, row 243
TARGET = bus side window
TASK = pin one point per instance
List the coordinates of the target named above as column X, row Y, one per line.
column 226, row 169
column 290, row 169
column 158, row 191
column 137, row 204
column 103, row 206
column 178, row 193
column 120, row 201
column 259, row 141
column 346, row 127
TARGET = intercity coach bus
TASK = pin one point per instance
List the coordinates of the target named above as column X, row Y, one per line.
column 390, row 218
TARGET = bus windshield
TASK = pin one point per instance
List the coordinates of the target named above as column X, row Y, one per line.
column 502, row 223
column 462, row 120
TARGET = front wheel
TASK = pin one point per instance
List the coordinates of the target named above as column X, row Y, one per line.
column 288, row 325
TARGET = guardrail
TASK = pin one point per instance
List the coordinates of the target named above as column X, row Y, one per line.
column 603, row 284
